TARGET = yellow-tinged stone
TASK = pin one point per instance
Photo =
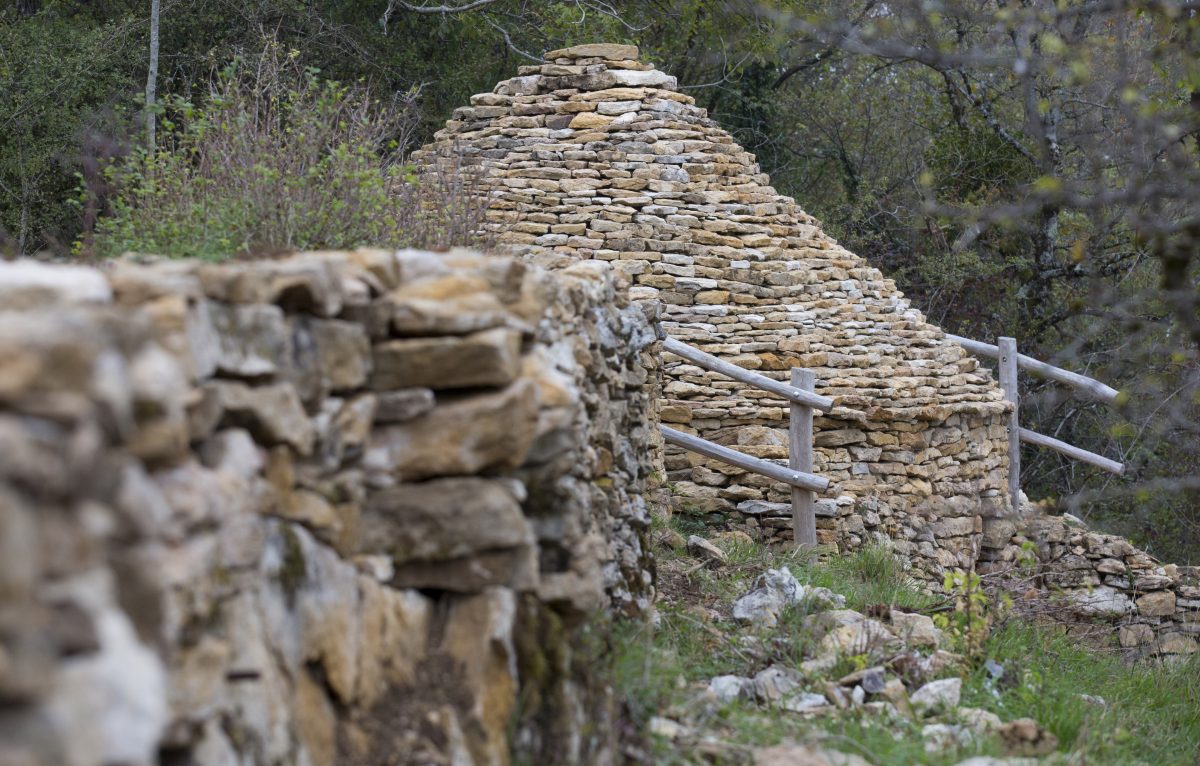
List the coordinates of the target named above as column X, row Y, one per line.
column 577, row 106
column 610, row 51
column 586, row 120
column 712, row 297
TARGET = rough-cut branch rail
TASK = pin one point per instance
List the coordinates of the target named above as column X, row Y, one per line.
column 742, row 460
column 1090, row 386
column 1075, row 453
column 712, row 363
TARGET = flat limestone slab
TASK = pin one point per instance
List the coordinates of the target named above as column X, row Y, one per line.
column 610, row 51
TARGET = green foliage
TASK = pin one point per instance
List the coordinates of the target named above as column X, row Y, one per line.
column 870, row 577
column 276, row 158
column 61, row 81
column 968, row 624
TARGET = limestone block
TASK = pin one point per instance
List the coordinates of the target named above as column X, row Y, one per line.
column 1157, row 604
column 403, row 404
column 455, row 304
column 28, row 284
column 487, row 358
column 1134, row 635
column 478, row 638
column 343, row 354
column 1178, row 643
column 254, row 339
column 272, row 413
column 612, row 52
column 1102, row 601
column 466, row 435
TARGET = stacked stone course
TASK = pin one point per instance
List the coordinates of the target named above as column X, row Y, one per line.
column 596, row 155
column 1153, row 609
column 339, row 508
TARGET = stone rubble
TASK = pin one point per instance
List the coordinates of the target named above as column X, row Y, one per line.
column 913, row 682
column 773, row 591
column 340, row 507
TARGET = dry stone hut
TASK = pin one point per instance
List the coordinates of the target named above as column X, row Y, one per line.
column 596, row 155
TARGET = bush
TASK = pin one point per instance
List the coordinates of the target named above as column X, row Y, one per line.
column 278, row 159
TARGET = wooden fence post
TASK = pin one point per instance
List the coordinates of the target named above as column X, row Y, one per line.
column 1008, row 382
column 800, row 458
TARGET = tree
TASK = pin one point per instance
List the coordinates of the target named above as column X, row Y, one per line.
column 152, row 73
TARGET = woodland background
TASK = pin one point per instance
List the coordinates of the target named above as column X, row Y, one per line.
column 1027, row 168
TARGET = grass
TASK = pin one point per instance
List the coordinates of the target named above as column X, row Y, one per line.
column 1152, row 710
column 1151, row 713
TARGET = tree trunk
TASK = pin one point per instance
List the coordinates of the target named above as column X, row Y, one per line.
column 152, row 75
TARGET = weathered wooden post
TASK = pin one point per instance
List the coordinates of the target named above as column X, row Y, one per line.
column 800, row 458
column 1008, row 382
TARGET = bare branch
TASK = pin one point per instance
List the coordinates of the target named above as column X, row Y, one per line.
column 508, row 41
column 446, row 8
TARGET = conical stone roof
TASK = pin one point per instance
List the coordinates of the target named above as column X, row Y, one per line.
column 596, row 155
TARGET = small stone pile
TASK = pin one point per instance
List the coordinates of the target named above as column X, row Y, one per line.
column 344, row 507
column 1103, row 579
column 595, row 155
column 909, row 676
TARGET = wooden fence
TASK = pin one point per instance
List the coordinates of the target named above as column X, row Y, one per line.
column 803, row 400
column 1011, row 362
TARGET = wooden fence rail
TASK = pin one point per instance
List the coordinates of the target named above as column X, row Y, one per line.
column 803, row 400
column 797, row 479
column 1090, row 386
column 713, row 364
column 1010, row 362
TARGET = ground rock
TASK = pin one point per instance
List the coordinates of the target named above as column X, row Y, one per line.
column 1025, row 737
column 774, row 590
column 802, row 755
column 706, row 551
column 980, row 720
column 943, row 737
column 937, row 695
column 776, row 682
column 729, row 688
column 916, row 629
column 803, row 702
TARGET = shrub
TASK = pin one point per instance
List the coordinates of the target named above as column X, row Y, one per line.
column 276, row 159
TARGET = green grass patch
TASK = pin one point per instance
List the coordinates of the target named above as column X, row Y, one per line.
column 1151, row 713
column 1152, row 710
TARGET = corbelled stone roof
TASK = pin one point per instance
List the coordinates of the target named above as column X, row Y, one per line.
column 597, row 155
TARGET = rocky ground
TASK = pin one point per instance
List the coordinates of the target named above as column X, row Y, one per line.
column 767, row 657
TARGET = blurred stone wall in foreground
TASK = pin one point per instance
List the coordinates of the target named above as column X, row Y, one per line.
column 347, row 507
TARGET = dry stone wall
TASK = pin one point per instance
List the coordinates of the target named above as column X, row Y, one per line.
column 355, row 507
column 595, row 155
column 1100, row 583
